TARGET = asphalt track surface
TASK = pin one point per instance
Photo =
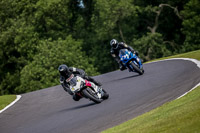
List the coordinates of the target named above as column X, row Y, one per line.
column 52, row 110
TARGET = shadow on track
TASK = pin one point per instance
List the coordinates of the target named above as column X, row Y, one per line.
column 125, row 78
column 78, row 107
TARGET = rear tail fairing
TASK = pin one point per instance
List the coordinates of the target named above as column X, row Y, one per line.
column 87, row 83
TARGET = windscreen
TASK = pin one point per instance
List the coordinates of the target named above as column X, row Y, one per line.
column 72, row 80
column 122, row 52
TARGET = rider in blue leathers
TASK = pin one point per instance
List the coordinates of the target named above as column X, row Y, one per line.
column 115, row 48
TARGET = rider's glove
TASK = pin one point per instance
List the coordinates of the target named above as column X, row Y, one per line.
column 136, row 53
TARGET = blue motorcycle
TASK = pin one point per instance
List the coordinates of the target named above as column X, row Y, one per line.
column 131, row 61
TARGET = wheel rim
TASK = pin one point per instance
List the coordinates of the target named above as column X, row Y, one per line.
column 92, row 92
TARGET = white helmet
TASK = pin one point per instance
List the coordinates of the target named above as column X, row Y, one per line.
column 114, row 43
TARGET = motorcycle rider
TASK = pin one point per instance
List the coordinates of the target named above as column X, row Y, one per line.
column 66, row 72
column 116, row 47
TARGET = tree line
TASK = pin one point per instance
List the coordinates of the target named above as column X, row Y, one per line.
column 36, row 36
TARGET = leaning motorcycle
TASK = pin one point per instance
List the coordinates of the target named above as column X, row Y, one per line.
column 131, row 61
column 87, row 89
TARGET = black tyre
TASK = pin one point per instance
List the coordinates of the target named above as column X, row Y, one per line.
column 89, row 93
column 105, row 95
column 137, row 69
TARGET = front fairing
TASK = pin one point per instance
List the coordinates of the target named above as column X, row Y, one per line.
column 76, row 83
column 73, row 81
column 125, row 56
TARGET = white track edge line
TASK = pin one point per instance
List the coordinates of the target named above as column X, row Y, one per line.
column 189, row 59
column 17, row 99
column 189, row 91
column 197, row 62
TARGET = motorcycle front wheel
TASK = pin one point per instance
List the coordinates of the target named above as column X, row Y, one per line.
column 138, row 70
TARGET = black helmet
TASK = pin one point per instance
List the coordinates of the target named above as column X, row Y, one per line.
column 64, row 70
column 114, row 43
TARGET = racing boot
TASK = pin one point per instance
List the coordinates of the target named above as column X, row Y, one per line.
column 96, row 82
column 136, row 53
column 76, row 97
column 121, row 66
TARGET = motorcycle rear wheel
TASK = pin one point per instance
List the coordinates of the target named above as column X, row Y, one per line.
column 89, row 93
column 105, row 95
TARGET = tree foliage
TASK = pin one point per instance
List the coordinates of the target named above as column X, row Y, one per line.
column 38, row 35
column 151, row 46
column 42, row 71
column 191, row 25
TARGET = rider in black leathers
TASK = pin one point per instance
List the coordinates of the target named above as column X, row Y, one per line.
column 66, row 72
column 115, row 48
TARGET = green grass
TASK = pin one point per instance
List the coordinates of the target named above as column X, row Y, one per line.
column 5, row 100
column 181, row 115
column 193, row 54
column 178, row 116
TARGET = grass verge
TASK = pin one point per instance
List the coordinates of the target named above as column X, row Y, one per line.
column 5, row 100
column 181, row 115
column 193, row 55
